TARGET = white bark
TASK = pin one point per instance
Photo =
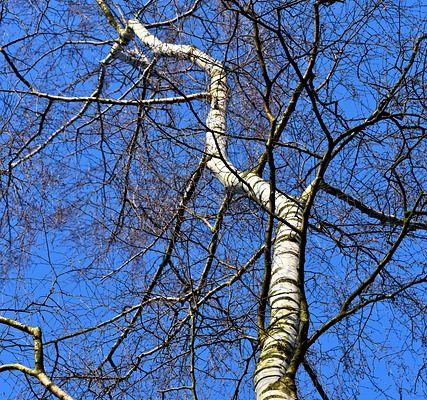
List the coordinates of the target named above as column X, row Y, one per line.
column 284, row 294
column 284, row 298
column 38, row 371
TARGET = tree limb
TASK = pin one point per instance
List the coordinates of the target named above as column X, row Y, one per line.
column 38, row 371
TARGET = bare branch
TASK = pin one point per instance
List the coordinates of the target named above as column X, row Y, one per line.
column 38, row 370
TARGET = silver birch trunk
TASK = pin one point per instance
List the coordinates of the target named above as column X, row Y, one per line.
column 279, row 340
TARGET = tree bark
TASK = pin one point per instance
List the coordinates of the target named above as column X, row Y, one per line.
column 279, row 341
column 280, row 338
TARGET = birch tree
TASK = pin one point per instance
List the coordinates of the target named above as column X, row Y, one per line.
column 214, row 199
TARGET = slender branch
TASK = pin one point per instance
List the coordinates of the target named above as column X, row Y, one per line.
column 188, row 193
column 369, row 211
column 193, row 316
column 345, row 309
column 185, row 14
column 313, row 376
column 124, row 102
column 213, row 245
column 381, row 265
column 342, row 315
column 268, row 256
column 379, row 112
column 237, row 276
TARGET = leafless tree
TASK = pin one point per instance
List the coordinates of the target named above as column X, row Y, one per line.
column 213, row 200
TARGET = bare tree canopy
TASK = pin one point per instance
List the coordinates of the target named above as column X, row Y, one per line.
column 213, row 199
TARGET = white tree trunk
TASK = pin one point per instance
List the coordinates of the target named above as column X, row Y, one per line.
column 279, row 340
column 278, row 344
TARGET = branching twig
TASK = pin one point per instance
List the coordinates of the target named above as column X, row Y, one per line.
column 38, row 371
